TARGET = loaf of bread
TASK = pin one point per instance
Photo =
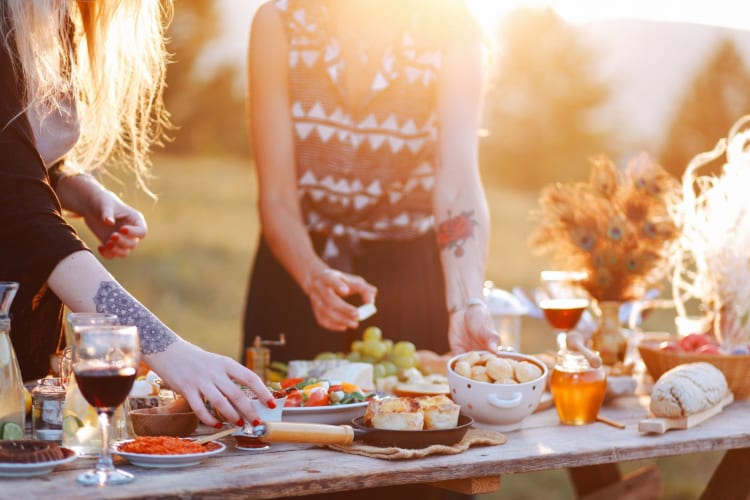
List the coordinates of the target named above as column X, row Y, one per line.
column 688, row 389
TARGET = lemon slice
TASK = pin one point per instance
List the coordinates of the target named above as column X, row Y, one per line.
column 11, row 430
column 71, row 424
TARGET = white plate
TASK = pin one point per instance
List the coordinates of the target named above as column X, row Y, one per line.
column 35, row 469
column 334, row 414
column 153, row 460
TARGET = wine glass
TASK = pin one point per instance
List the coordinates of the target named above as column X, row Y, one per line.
column 563, row 301
column 73, row 320
column 105, row 362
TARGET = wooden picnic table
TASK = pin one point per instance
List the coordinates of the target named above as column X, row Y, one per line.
column 591, row 453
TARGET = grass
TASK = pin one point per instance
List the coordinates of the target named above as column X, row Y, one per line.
column 192, row 271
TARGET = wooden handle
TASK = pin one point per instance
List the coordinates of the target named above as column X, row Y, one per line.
column 574, row 342
column 216, row 435
column 297, row 432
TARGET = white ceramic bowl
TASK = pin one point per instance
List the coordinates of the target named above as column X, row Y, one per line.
column 498, row 406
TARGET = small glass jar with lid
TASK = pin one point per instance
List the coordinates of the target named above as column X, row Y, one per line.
column 577, row 388
column 47, row 400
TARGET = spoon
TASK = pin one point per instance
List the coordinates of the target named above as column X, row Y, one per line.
column 216, row 435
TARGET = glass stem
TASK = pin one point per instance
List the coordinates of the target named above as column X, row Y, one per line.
column 105, row 458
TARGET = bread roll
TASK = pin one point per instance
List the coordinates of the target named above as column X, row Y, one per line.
column 499, row 369
column 687, row 389
column 397, row 414
column 525, row 371
column 440, row 412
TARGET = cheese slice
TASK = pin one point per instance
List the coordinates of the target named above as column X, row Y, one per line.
column 360, row 374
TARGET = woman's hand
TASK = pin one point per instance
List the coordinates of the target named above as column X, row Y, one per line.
column 471, row 329
column 327, row 290
column 118, row 226
column 201, row 376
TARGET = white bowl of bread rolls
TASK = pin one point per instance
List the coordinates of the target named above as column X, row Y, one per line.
column 497, row 390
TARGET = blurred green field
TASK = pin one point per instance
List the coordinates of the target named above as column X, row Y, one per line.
column 192, row 271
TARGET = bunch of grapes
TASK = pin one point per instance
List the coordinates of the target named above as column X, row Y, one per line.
column 387, row 357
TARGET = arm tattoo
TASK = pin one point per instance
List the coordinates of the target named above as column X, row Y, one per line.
column 154, row 335
column 453, row 232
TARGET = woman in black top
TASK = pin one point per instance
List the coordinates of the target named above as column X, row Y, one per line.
column 67, row 107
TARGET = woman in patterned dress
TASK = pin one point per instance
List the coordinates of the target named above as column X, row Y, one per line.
column 364, row 117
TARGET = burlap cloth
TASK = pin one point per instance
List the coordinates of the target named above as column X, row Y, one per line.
column 473, row 437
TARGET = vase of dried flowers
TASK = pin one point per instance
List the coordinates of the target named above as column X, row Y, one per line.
column 616, row 227
column 608, row 338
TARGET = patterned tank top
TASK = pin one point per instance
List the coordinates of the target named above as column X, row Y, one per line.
column 365, row 173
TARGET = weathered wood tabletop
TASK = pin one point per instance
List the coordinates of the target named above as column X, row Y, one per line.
column 541, row 444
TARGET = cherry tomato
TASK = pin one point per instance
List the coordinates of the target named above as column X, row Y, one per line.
column 290, row 382
column 317, row 397
column 293, row 398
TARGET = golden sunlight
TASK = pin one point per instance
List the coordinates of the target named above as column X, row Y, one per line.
column 717, row 12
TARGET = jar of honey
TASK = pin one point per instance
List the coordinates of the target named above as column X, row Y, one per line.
column 577, row 388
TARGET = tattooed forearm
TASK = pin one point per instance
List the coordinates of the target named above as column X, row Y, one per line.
column 453, row 232
column 154, row 335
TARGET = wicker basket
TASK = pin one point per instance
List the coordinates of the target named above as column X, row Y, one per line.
column 736, row 368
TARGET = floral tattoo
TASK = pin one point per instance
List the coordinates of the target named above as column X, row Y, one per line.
column 155, row 337
column 455, row 231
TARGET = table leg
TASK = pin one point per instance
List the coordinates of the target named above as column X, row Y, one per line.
column 604, row 482
column 731, row 479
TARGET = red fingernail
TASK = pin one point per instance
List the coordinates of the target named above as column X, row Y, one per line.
column 240, row 423
column 124, row 230
column 256, row 422
column 271, row 404
column 115, row 236
column 218, row 425
column 101, row 248
column 110, row 244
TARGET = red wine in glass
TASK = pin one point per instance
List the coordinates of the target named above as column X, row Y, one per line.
column 105, row 388
column 105, row 360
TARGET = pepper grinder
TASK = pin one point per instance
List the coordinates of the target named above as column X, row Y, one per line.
column 258, row 357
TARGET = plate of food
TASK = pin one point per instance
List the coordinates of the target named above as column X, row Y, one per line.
column 318, row 401
column 331, row 414
column 27, row 458
column 165, row 451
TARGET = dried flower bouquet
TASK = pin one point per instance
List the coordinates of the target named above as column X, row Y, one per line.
column 616, row 227
column 711, row 262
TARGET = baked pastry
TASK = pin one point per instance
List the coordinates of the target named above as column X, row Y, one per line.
column 687, row 389
column 398, row 414
column 525, row 371
column 29, row 451
column 440, row 412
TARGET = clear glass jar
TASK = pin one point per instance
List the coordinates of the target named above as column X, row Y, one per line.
column 577, row 388
column 12, row 394
column 47, row 400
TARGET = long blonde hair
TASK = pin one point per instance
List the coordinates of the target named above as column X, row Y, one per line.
column 110, row 56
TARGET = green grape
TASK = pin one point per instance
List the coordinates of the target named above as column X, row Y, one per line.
column 390, row 368
column 405, row 362
column 372, row 333
column 323, row 356
column 378, row 371
column 357, row 346
column 388, row 346
column 374, row 349
column 404, row 348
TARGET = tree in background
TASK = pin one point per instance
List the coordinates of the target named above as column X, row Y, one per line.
column 719, row 96
column 207, row 110
column 540, row 109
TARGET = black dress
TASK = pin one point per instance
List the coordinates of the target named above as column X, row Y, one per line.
column 34, row 235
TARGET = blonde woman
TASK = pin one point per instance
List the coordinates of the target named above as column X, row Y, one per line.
column 81, row 89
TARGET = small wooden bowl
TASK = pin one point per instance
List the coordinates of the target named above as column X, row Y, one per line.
column 152, row 422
